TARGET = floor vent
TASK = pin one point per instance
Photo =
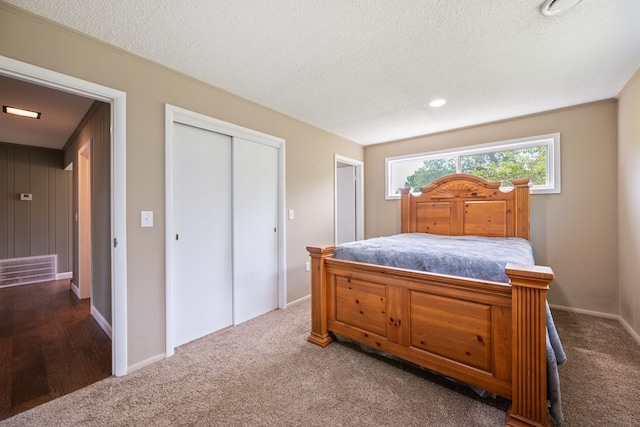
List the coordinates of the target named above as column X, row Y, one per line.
column 20, row 271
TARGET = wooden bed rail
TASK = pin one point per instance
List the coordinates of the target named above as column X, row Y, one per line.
column 529, row 285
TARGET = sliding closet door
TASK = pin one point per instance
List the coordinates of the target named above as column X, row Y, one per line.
column 202, row 245
column 255, row 218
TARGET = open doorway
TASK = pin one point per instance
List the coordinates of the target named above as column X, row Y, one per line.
column 54, row 340
column 349, row 200
column 115, row 171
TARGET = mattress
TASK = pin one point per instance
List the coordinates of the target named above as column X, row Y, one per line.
column 468, row 256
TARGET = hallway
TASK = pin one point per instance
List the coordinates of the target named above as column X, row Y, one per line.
column 49, row 345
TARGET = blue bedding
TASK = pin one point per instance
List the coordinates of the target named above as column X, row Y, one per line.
column 468, row 256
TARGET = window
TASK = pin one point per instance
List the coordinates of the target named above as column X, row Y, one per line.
column 537, row 158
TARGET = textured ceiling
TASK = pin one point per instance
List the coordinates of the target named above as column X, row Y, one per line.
column 367, row 69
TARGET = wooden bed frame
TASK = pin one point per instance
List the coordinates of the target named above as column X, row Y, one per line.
column 488, row 334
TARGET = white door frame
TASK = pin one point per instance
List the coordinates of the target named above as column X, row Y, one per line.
column 359, row 168
column 118, row 101
column 175, row 114
column 85, row 281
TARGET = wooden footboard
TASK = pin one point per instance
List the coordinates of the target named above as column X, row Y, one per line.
column 487, row 334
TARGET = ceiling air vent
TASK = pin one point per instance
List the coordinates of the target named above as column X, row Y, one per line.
column 556, row 7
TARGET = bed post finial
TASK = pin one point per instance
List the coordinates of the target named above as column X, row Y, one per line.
column 319, row 295
column 405, row 210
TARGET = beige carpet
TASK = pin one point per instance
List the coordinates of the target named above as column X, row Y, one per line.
column 264, row 373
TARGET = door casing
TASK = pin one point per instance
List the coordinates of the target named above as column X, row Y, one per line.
column 118, row 102
column 85, row 281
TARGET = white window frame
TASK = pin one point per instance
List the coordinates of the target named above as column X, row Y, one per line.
column 552, row 141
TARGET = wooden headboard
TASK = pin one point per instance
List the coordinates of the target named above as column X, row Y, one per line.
column 462, row 204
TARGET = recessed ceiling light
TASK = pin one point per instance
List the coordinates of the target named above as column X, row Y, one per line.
column 21, row 112
column 437, row 103
column 555, row 7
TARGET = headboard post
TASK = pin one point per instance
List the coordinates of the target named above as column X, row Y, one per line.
column 405, row 209
column 521, row 187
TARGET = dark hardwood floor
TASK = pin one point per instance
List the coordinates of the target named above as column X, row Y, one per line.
column 50, row 345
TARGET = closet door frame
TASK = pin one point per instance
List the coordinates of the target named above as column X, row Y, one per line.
column 174, row 114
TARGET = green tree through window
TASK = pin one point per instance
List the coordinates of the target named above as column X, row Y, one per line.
column 430, row 171
column 494, row 166
column 509, row 164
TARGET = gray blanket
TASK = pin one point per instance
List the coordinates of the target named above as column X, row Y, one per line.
column 468, row 256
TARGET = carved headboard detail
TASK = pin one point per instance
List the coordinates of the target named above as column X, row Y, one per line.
column 462, row 204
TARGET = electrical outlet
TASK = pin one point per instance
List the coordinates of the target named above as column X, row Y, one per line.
column 146, row 219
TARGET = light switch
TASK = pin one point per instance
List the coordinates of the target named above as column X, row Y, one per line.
column 292, row 214
column 146, row 219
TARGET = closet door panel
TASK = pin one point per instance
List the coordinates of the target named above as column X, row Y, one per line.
column 202, row 247
column 255, row 219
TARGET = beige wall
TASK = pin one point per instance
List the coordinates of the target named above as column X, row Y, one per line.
column 629, row 202
column 574, row 232
column 309, row 165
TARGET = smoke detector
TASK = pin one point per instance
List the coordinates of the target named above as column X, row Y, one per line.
column 556, row 7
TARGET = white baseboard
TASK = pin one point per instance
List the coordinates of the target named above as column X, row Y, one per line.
column 62, row 276
column 587, row 312
column 146, row 362
column 624, row 324
column 106, row 327
column 13, row 285
column 299, row 300
column 629, row 329
column 75, row 289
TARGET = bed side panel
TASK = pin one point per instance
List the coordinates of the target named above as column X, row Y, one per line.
column 455, row 329
column 361, row 304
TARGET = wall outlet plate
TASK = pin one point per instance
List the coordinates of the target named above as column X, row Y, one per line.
column 146, row 219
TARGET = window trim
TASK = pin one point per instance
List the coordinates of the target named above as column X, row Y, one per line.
column 551, row 140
